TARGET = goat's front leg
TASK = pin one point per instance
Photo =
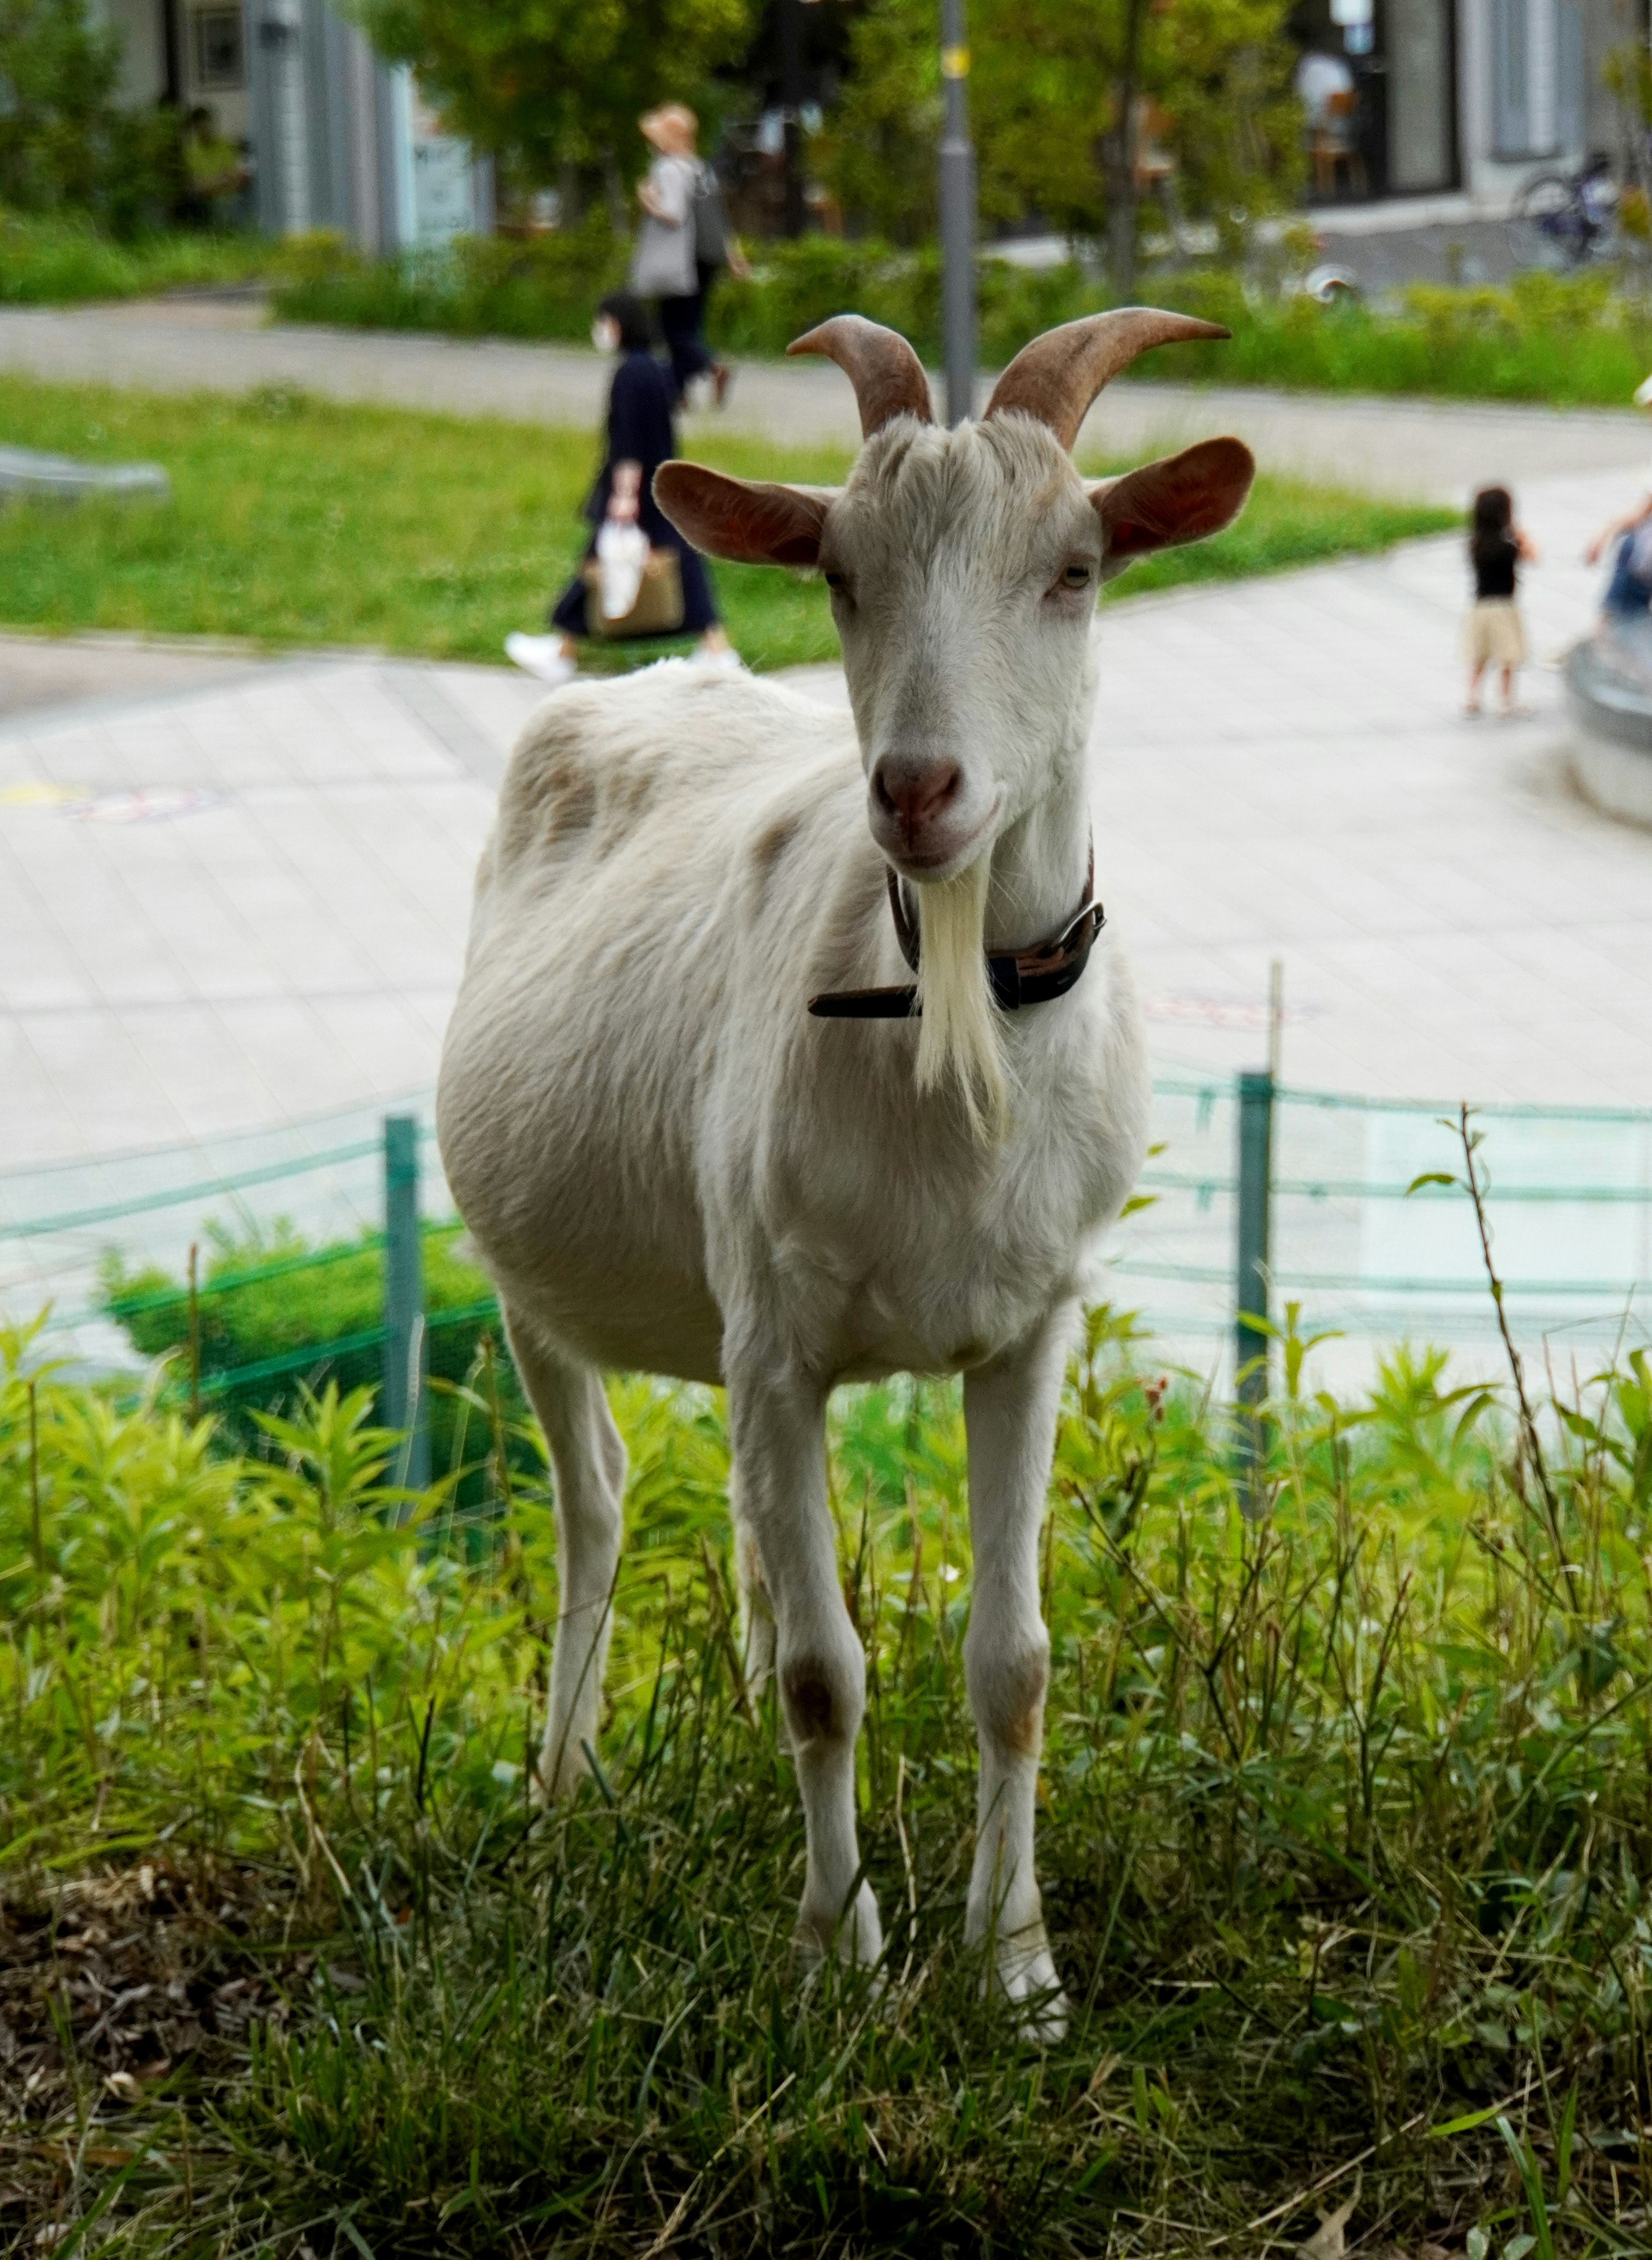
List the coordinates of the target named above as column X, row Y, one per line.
column 1010, row 1411
column 778, row 1422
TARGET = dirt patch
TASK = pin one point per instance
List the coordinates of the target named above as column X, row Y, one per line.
column 122, row 1992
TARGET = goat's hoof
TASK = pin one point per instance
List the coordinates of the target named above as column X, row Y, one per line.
column 556, row 1783
column 1028, row 1983
column 854, row 1934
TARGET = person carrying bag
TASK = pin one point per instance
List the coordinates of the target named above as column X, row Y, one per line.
column 682, row 245
column 638, row 577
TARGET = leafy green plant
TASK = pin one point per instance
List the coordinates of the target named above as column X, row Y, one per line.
column 1343, row 1852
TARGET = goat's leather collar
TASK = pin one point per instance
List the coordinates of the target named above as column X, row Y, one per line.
column 1024, row 976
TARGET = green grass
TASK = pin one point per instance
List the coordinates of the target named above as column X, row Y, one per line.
column 296, row 521
column 56, row 262
column 1345, row 1840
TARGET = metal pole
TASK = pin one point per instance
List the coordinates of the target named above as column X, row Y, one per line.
column 1256, row 1174
column 957, row 217
column 404, row 1359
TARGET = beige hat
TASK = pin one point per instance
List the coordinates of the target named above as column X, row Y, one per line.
column 673, row 128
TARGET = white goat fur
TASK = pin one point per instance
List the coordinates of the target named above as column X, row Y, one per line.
column 668, row 1165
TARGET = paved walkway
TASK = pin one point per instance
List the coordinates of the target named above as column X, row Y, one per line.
column 244, row 902
column 1408, row 448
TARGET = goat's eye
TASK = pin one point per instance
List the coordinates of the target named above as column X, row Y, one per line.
column 834, row 579
column 1077, row 577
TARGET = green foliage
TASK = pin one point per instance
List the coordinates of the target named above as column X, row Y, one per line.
column 56, row 259
column 67, row 142
column 1044, row 92
column 1344, row 1840
column 300, row 521
column 1566, row 339
column 542, row 286
column 548, row 83
column 277, row 1317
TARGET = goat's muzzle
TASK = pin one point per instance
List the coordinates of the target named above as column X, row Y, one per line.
column 913, row 802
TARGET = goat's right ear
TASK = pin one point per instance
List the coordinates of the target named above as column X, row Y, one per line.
column 745, row 520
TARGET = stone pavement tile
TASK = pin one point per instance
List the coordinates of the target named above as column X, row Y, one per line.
column 299, row 1061
column 99, row 1075
column 387, row 1039
column 196, row 1052
column 265, row 874
column 497, row 700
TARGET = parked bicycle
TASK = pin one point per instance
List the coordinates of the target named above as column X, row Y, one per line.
column 1572, row 211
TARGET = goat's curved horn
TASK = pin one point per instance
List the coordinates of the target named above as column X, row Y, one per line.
column 887, row 374
column 1056, row 377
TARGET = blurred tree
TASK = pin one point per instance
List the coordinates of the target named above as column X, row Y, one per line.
column 555, row 87
column 65, row 142
column 1057, row 93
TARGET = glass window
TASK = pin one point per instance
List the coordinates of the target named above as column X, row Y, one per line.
column 220, row 57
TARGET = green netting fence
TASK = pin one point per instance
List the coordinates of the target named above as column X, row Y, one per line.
column 331, row 1247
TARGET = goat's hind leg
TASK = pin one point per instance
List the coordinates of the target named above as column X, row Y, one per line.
column 588, row 1464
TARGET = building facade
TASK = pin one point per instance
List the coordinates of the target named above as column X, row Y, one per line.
column 1411, row 98
column 335, row 137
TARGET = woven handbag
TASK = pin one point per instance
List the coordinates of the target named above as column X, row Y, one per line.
column 658, row 611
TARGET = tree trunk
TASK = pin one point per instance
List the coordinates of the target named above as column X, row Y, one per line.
column 1119, row 162
column 570, row 202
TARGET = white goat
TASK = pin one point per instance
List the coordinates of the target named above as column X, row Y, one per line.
column 668, row 1163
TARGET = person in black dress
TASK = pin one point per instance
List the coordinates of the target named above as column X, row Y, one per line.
column 640, row 438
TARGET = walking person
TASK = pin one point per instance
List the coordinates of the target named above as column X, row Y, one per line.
column 682, row 245
column 1494, row 634
column 1628, row 594
column 621, row 506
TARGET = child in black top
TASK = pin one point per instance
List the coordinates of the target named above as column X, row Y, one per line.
column 1493, row 634
column 640, row 438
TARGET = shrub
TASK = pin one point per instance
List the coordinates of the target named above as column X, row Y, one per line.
column 54, row 259
column 542, row 286
column 278, row 1316
column 67, row 141
column 1567, row 339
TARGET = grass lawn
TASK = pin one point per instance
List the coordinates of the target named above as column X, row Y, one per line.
column 1345, row 1837
column 297, row 521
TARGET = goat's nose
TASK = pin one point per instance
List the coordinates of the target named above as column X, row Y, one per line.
column 914, row 796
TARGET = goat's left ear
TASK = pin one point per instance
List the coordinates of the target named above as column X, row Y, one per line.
column 1182, row 499
column 745, row 519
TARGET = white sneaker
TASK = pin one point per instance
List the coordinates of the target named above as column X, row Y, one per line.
column 542, row 655
column 722, row 662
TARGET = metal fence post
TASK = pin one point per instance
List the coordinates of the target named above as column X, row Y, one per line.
column 1256, row 1177
column 405, row 1365
column 957, row 217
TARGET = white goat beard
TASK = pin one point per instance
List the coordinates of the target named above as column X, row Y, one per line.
column 958, row 1032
